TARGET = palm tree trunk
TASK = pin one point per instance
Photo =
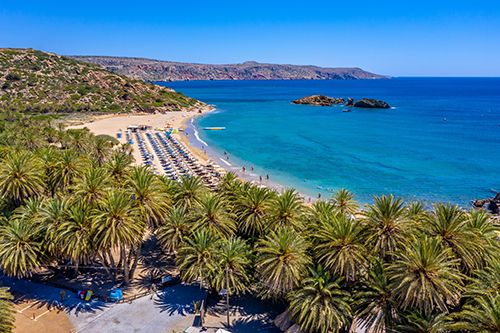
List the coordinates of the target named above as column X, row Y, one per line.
column 120, row 261
column 136, row 260
column 104, row 264
column 112, row 261
column 130, row 255
column 125, row 268
column 76, row 268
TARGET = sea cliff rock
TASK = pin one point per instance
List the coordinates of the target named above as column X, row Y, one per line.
column 371, row 103
column 350, row 101
column 158, row 70
column 488, row 204
column 321, row 100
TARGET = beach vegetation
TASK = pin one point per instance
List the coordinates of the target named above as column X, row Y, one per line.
column 71, row 198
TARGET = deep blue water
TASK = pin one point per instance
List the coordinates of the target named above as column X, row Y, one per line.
column 409, row 150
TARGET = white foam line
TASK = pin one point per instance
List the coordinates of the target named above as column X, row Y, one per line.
column 225, row 161
column 197, row 137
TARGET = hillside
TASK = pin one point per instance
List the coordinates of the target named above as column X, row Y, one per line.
column 158, row 70
column 37, row 81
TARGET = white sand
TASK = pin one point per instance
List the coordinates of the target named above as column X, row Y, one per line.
column 111, row 124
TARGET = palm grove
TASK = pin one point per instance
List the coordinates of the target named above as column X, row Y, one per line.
column 70, row 197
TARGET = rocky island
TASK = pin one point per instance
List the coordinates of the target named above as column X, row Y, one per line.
column 371, row 103
column 320, row 100
column 323, row 100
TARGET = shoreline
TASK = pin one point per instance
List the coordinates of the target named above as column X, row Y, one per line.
column 209, row 153
column 182, row 120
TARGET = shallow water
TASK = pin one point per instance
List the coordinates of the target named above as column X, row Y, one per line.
column 439, row 142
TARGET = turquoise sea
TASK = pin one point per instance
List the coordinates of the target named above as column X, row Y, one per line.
column 440, row 141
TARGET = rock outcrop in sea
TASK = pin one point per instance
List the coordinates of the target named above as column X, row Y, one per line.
column 323, row 100
column 320, row 100
column 489, row 204
column 371, row 103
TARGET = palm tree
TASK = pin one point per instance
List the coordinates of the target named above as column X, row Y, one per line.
column 323, row 208
column 49, row 156
column 230, row 186
column 91, row 184
column 345, row 201
column 424, row 275
column 69, row 166
column 387, row 224
column 177, row 226
column 339, row 245
column 481, row 316
column 100, row 151
column 50, row 134
column 31, row 139
column 320, row 305
column 485, row 281
column 20, row 248
column 7, row 318
column 76, row 235
column 425, row 322
column 374, row 303
column 30, row 211
column 448, row 224
column 486, row 231
column 197, row 256
column 212, row 213
column 233, row 255
column 147, row 192
column 189, row 191
column 79, row 139
column 287, row 210
column 20, row 177
column 416, row 212
column 61, row 137
column 117, row 166
column 118, row 225
column 252, row 210
column 52, row 215
column 282, row 261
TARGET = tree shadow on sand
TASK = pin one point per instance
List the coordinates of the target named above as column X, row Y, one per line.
column 178, row 300
column 247, row 313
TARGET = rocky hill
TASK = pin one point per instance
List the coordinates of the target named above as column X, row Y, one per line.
column 37, row 81
column 158, row 70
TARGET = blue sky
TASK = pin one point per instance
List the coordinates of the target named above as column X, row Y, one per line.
column 399, row 38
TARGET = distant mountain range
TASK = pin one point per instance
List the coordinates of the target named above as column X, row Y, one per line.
column 158, row 70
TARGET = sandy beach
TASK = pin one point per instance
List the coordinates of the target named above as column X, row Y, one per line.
column 110, row 125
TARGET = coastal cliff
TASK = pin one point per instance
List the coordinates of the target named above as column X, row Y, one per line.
column 37, row 81
column 158, row 70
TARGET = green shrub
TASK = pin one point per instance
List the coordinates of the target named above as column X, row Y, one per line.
column 13, row 77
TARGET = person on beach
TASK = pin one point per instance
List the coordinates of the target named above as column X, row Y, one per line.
column 243, row 168
column 261, row 178
column 228, row 157
column 225, row 152
column 319, row 196
column 252, row 167
column 267, row 176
